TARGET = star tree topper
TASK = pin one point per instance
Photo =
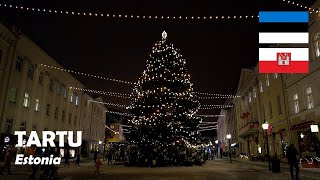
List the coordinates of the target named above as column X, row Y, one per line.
column 164, row 35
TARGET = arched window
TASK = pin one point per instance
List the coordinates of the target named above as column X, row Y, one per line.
column 317, row 45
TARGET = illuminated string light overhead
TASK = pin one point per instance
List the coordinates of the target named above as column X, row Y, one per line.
column 121, row 95
column 109, row 104
column 128, row 16
column 85, row 74
column 107, row 93
column 207, row 129
column 222, row 95
column 311, row 10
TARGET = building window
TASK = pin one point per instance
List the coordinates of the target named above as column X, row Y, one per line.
column 77, row 100
column 254, row 92
column 310, row 103
column 270, row 110
column 275, row 75
column 26, row 100
column 279, row 105
column 8, row 127
column 295, row 103
column 31, row 72
column 112, row 126
column 51, row 84
column 34, row 127
column 58, row 88
column 56, row 112
column 65, row 94
column 19, row 63
column 70, row 117
column 250, row 97
column 317, row 45
column 41, row 77
column 261, row 87
column 23, row 126
column 71, row 97
column 267, row 80
column 48, row 109
column 37, row 106
column 75, row 120
column 63, row 116
column 13, row 95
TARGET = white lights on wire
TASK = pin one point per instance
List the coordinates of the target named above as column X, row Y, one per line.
column 85, row 74
column 129, row 16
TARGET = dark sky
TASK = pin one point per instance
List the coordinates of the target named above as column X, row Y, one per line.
column 118, row 48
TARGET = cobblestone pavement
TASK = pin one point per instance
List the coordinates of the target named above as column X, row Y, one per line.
column 216, row 169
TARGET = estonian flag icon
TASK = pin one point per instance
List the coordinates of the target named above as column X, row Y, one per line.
column 283, row 27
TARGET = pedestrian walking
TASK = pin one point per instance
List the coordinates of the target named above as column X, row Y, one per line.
column 66, row 160
column 293, row 160
column 110, row 157
column 7, row 162
column 98, row 164
column 34, row 171
column 95, row 156
column 78, row 160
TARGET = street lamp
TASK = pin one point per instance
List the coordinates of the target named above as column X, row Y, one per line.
column 229, row 138
column 265, row 127
column 314, row 130
column 217, row 150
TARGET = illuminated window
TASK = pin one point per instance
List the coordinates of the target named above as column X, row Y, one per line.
column 26, row 100
column 65, row 93
column 275, row 75
column 13, row 95
column 296, row 103
column 37, row 106
column 267, row 80
column 317, row 44
column 250, row 97
column 254, row 90
column 310, row 103
column 77, row 100
column 58, row 88
column 261, row 87
column 71, row 97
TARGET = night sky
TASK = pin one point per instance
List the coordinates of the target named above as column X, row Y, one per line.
column 118, row 48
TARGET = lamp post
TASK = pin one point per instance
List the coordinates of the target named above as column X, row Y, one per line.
column 229, row 138
column 265, row 127
column 314, row 130
column 217, row 150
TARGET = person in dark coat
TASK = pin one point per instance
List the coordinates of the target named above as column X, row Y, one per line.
column 78, row 160
column 95, row 157
column 66, row 160
column 110, row 157
column 7, row 162
column 34, row 171
column 293, row 161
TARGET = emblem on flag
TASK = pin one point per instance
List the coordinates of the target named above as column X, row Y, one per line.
column 283, row 58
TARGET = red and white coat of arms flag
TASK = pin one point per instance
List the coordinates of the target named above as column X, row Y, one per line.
column 283, row 36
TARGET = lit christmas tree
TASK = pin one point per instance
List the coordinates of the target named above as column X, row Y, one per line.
column 164, row 104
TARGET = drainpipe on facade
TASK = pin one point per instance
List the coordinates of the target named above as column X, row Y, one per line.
column 286, row 109
column 17, row 37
